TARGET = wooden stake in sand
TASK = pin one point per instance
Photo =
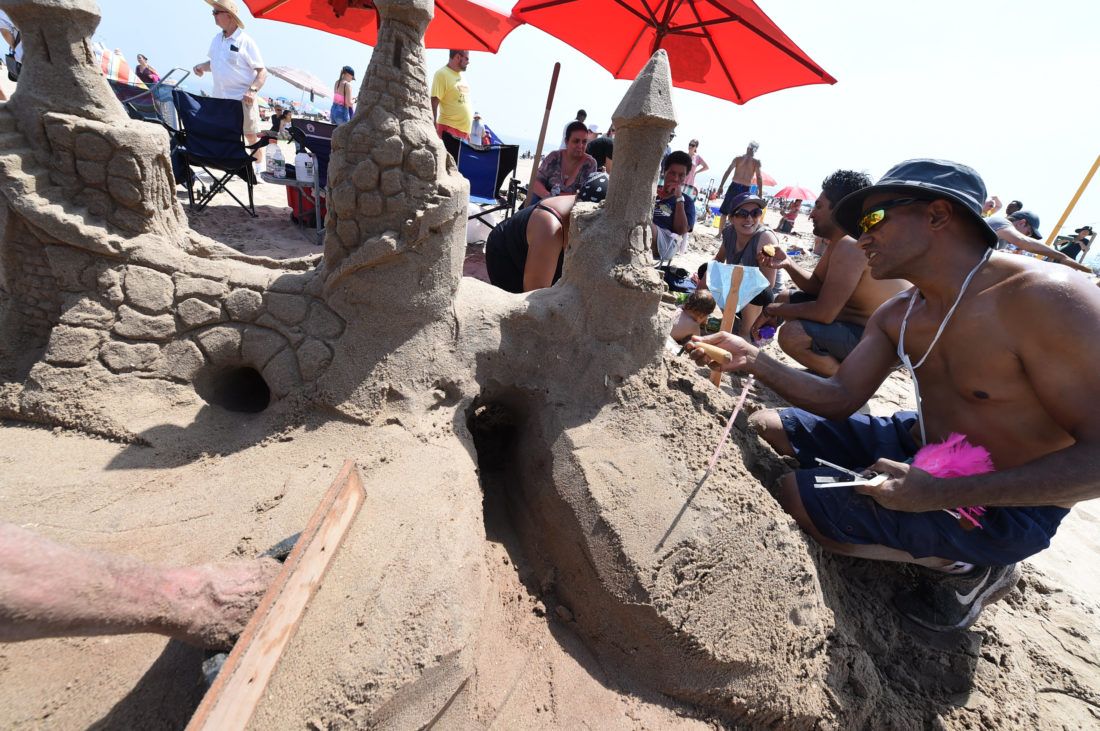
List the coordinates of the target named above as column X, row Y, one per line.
column 232, row 699
column 729, row 313
column 545, row 121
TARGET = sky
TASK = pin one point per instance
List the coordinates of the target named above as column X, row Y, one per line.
column 1000, row 85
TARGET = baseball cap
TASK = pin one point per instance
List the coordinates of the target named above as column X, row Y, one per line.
column 743, row 198
column 594, row 188
column 924, row 179
column 594, row 128
column 1032, row 220
column 348, row 70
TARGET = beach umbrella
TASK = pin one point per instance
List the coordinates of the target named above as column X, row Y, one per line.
column 768, row 180
column 796, row 192
column 114, row 66
column 300, row 79
column 463, row 24
column 725, row 48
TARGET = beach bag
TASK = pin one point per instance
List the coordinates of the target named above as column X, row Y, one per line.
column 677, row 278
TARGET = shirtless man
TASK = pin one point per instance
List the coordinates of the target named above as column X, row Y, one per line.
column 744, row 168
column 995, row 343
column 48, row 589
column 825, row 320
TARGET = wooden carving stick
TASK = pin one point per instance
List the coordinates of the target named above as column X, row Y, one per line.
column 232, row 699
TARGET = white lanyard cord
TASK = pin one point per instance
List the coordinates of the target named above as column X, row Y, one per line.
column 901, row 339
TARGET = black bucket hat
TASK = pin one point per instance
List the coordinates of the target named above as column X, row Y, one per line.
column 926, row 180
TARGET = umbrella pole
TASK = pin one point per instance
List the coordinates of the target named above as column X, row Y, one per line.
column 545, row 121
column 1069, row 209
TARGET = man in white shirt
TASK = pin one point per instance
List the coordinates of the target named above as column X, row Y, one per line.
column 235, row 62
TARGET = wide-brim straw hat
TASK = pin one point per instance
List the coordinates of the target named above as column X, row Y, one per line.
column 228, row 6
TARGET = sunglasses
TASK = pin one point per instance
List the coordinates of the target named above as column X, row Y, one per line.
column 748, row 213
column 877, row 215
column 216, row 13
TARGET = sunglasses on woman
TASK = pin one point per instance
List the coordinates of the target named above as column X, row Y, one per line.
column 877, row 215
column 748, row 213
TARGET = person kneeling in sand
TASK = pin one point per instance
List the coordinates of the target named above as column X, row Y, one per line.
column 526, row 251
column 693, row 316
column 825, row 320
column 995, row 346
column 48, row 589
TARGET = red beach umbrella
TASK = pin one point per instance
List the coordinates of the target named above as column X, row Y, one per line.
column 461, row 24
column 725, row 48
column 796, row 192
column 768, row 180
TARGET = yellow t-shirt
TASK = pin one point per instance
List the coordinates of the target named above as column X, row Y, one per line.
column 453, row 94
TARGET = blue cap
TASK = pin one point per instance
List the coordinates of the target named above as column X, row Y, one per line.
column 1032, row 220
column 926, row 180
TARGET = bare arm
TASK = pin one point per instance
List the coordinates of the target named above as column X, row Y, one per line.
column 759, row 179
column 1034, row 246
column 845, row 269
column 679, row 217
column 1068, row 390
column 808, row 282
column 48, row 589
column 8, row 37
column 201, row 68
column 859, row 376
column 722, row 185
column 435, row 108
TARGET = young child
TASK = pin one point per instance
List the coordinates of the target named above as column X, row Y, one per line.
column 693, row 315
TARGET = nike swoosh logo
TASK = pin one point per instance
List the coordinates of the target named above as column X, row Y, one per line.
column 965, row 599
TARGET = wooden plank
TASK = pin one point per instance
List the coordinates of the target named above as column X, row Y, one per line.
column 729, row 313
column 232, row 699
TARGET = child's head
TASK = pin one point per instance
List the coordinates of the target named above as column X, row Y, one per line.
column 699, row 305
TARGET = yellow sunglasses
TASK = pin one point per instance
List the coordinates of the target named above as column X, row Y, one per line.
column 877, row 215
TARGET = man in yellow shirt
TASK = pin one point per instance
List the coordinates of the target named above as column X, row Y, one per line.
column 451, row 101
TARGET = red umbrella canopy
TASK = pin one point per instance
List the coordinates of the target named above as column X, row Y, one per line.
column 726, row 48
column 796, row 192
column 768, row 180
column 461, row 24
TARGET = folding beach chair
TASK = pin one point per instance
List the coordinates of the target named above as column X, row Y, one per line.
column 486, row 168
column 315, row 137
column 211, row 138
column 136, row 100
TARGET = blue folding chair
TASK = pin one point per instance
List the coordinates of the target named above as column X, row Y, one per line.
column 211, row 137
column 486, row 168
column 315, row 137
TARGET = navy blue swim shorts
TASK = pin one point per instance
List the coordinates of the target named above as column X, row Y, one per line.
column 1007, row 535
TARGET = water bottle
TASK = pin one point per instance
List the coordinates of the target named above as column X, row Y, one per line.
column 269, row 158
column 279, row 164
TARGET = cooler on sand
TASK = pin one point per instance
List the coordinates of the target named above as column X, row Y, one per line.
column 302, row 208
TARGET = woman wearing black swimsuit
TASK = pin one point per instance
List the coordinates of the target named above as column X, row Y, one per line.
column 526, row 251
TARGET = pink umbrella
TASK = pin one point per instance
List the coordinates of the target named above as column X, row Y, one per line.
column 768, row 180
column 796, row 192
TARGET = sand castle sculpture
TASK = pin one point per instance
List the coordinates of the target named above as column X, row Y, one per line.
column 561, row 400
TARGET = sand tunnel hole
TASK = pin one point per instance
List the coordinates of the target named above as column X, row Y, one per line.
column 235, row 388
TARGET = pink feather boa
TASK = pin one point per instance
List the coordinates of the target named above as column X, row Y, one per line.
column 956, row 457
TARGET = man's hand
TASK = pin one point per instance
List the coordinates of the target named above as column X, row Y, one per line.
column 198, row 70
column 249, row 97
column 743, row 353
column 670, row 191
column 778, row 260
column 1066, row 261
column 765, row 319
column 909, row 489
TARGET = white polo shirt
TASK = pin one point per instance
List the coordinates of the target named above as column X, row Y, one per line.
column 233, row 63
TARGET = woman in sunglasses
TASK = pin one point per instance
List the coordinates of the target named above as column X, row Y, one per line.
column 742, row 241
